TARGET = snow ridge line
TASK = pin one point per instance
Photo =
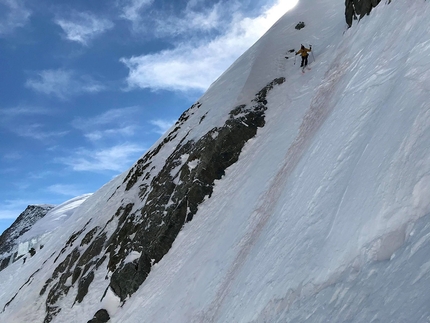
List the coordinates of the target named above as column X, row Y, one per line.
column 318, row 112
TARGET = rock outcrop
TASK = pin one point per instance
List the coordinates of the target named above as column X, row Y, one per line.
column 357, row 9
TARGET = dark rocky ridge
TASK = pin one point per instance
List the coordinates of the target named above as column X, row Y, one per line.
column 22, row 224
column 171, row 198
column 357, row 9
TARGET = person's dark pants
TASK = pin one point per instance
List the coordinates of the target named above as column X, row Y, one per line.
column 304, row 61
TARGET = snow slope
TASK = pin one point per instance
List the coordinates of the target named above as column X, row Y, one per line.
column 330, row 187
column 53, row 220
column 324, row 218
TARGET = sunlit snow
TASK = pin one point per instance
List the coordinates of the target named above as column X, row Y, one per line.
column 324, row 218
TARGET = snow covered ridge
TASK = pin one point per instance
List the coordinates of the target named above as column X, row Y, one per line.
column 54, row 218
column 24, row 222
column 32, row 229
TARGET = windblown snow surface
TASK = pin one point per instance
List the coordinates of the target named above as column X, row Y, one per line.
column 324, row 218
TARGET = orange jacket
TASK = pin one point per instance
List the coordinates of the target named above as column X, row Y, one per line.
column 303, row 51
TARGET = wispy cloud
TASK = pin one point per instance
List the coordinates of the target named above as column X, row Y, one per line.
column 162, row 125
column 36, row 175
column 117, row 158
column 13, row 14
column 190, row 21
column 37, row 131
column 98, row 135
column 192, row 66
column 112, row 123
column 182, row 69
column 111, row 116
column 63, row 83
column 132, row 10
column 83, row 27
column 164, row 23
column 22, row 111
column 20, row 121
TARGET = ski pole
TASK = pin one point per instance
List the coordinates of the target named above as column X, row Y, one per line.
column 295, row 59
column 312, row 52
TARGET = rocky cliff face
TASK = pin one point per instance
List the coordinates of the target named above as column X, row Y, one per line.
column 357, row 9
column 8, row 240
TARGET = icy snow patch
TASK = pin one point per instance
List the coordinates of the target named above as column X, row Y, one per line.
column 132, row 256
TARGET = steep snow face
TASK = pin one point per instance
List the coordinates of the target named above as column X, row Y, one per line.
column 324, row 215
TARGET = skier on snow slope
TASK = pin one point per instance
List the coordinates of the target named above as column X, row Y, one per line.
column 303, row 51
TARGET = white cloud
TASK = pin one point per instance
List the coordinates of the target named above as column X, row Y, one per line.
column 190, row 21
column 111, row 126
column 195, row 67
column 193, row 3
column 13, row 14
column 117, row 158
column 63, row 83
column 196, row 16
column 184, row 68
column 162, row 125
column 133, row 9
column 83, row 27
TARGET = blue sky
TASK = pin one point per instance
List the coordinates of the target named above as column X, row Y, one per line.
column 87, row 87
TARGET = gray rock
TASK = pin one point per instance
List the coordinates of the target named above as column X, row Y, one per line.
column 357, row 9
column 102, row 316
column 300, row 25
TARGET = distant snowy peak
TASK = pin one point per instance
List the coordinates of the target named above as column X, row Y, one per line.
column 22, row 224
column 33, row 227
